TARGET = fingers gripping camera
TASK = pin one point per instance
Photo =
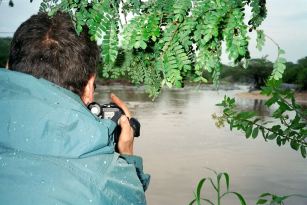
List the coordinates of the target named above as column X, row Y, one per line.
column 113, row 112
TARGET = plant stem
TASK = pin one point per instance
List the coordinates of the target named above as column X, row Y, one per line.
column 218, row 193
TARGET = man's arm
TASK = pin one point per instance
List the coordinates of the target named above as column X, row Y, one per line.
column 125, row 143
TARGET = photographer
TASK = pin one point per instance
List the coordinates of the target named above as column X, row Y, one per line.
column 53, row 150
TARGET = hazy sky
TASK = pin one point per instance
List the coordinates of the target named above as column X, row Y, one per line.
column 286, row 24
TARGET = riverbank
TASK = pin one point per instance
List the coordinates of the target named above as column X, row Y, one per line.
column 301, row 97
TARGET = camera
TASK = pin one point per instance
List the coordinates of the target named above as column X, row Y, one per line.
column 112, row 112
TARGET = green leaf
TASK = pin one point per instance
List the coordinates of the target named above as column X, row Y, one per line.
column 143, row 45
column 281, row 51
column 271, row 101
column 240, row 197
column 255, row 132
column 219, row 176
column 199, row 188
column 279, row 199
column 294, row 144
column 261, row 201
column 248, row 131
column 303, row 151
column 271, row 136
column 246, row 115
column 192, row 202
column 260, row 39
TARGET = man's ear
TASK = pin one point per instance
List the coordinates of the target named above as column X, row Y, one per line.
column 88, row 92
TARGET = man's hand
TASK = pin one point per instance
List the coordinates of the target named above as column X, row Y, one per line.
column 125, row 142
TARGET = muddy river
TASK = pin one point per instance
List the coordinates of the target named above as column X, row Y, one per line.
column 179, row 141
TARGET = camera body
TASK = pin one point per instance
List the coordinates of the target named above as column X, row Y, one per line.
column 112, row 112
column 106, row 111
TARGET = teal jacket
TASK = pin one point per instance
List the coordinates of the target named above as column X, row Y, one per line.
column 54, row 151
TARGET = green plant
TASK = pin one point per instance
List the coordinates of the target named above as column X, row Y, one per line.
column 217, row 187
column 288, row 126
column 265, row 198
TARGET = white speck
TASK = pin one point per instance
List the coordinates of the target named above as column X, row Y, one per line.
column 27, row 139
column 91, row 200
column 67, row 160
column 76, row 115
column 92, row 136
column 105, row 162
column 85, row 165
column 22, row 125
column 53, row 189
column 14, row 153
column 42, row 182
column 14, row 122
column 0, row 158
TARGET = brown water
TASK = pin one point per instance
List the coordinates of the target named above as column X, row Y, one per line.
column 179, row 140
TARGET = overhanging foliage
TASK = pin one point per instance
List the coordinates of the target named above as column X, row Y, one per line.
column 165, row 42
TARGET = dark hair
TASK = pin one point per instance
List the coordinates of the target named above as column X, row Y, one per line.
column 49, row 47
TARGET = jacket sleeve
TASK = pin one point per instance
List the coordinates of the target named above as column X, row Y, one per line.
column 138, row 164
column 124, row 182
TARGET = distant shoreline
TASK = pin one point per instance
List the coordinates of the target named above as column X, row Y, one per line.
column 301, row 97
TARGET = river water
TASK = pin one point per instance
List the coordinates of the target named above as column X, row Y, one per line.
column 179, row 141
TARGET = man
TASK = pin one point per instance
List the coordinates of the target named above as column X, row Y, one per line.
column 52, row 149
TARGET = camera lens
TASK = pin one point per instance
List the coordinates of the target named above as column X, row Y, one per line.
column 95, row 109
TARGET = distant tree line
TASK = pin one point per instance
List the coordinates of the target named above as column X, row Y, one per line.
column 259, row 70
